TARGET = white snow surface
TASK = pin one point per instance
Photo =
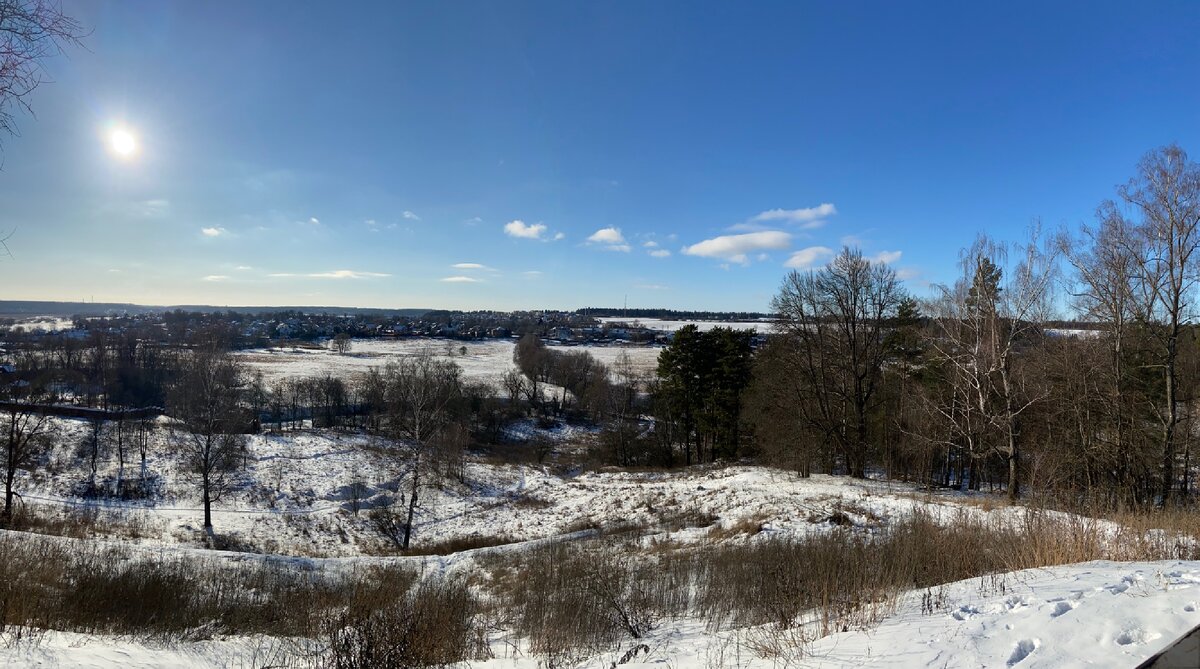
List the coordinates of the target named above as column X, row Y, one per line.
column 1106, row 614
column 484, row 361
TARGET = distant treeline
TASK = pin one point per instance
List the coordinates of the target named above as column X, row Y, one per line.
column 672, row 314
column 24, row 308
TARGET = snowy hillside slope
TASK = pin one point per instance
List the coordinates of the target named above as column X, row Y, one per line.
column 1096, row 614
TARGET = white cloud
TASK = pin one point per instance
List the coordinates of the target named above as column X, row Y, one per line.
column 652, row 286
column 470, row 265
column 461, row 279
column 809, row 257
column 410, row 216
column 886, row 257
column 651, row 245
column 608, row 235
column 213, row 232
column 519, row 229
column 474, row 220
column 314, row 221
column 532, row 274
column 335, row 274
column 908, row 273
column 736, row 247
column 661, row 253
column 807, row 218
column 559, row 236
column 243, row 268
column 215, row 277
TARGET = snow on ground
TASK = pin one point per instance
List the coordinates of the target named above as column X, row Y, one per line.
column 485, row 361
column 294, row 495
column 43, row 324
column 1112, row 614
column 662, row 325
column 1095, row 614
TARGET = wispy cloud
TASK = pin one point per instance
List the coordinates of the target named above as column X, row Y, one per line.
column 461, row 279
column 154, row 208
column 521, row 230
column 471, row 265
column 807, row 217
column 213, row 232
column 609, row 239
column 886, row 257
column 532, row 274
column 735, row 248
column 335, row 274
column 809, row 257
column 660, row 253
column 215, row 277
column 410, row 216
column 314, row 221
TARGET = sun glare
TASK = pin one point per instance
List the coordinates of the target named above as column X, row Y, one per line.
column 122, row 143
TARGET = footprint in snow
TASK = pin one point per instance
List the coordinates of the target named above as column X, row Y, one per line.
column 1061, row 608
column 1135, row 636
column 1016, row 602
column 1024, row 648
column 965, row 613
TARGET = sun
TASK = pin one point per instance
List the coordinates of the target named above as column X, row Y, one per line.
column 123, row 143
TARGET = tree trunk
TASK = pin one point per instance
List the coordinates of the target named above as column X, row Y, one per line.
column 412, row 502
column 1168, row 465
column 1014, row 482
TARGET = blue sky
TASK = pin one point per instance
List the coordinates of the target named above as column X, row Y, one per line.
column 567, row 154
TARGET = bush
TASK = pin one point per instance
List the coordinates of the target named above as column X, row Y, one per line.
column 395, row 625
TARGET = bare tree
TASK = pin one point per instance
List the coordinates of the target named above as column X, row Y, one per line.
column 836, row 317
column 514, row 385
column 1165, row 194
column 984, row 320
column 419, row 392
column 30, row 32
column 1106, row 261
column 341, row 343
column 205, row 401
column 23, row 425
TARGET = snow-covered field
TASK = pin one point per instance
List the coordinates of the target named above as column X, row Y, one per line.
column 43, row 324
column 293, row 498
column 662, row 325
column 485, row 361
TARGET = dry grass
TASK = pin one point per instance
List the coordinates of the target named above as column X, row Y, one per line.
column 576, row 600
column 371, row 617
column 79, row 523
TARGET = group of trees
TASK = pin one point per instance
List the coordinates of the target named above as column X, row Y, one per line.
column 973, row 387
column 698, row 394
